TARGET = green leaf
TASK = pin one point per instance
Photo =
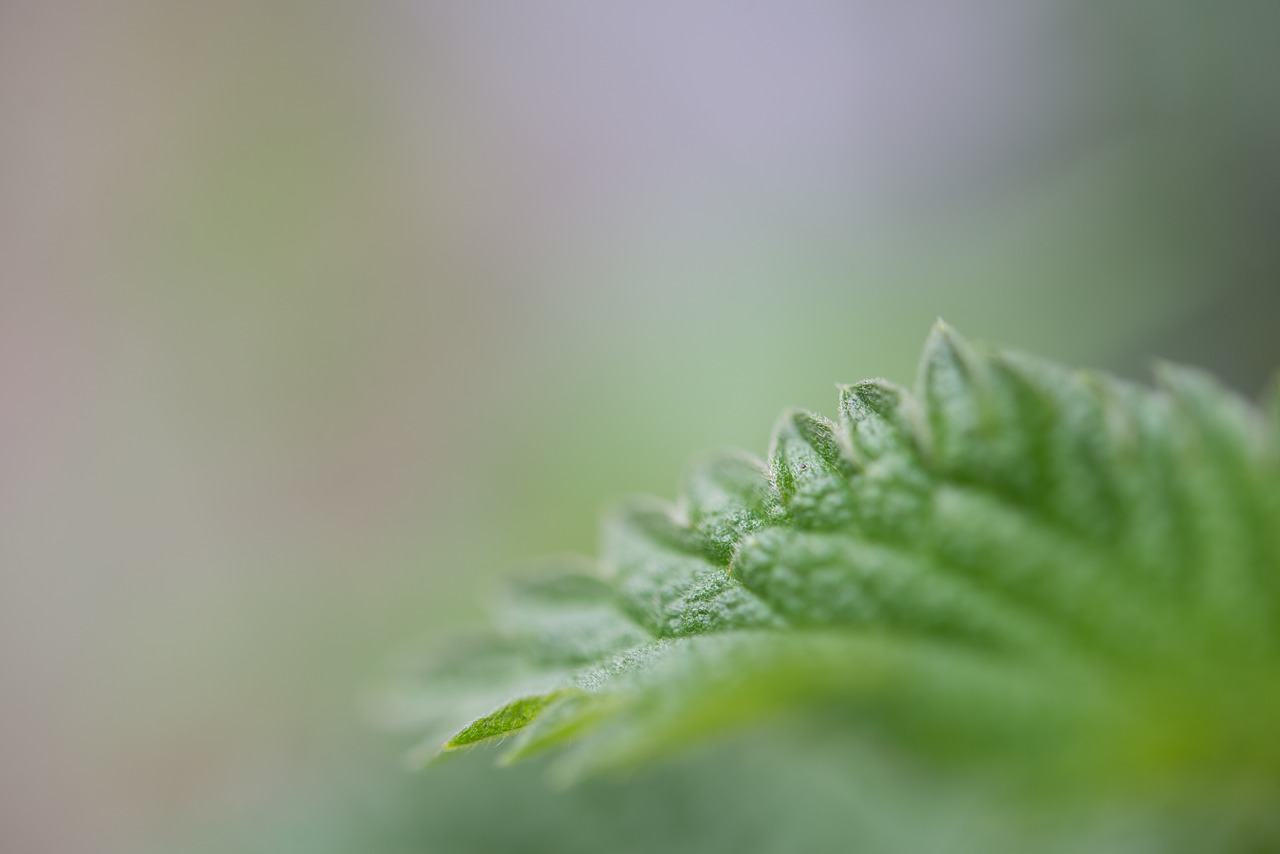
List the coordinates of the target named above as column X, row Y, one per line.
column 511, row 717
column 1020, row 566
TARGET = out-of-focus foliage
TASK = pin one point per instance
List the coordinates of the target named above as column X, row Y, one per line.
column 1021, row 573
column 773, row 790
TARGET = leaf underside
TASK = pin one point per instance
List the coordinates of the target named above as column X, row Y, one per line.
column 1018, row 565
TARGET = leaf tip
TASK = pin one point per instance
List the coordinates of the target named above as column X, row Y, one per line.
column 874, row 398
column 946, row 344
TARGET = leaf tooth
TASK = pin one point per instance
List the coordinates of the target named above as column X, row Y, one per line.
column 1222, row 417
column 1155, row 517
column 655, row 524
column 1053, row 418
column 947, row 365
column 726, row 495
column 811, row 470
column 726, row 481
column 668, row 578
column 1223, row 474
column 507, row 719
column 890, row 490
column 443, row 694
column 948, row 373
column 564, row 718
column 989, row 423
column 878, row 418
column 801, row 436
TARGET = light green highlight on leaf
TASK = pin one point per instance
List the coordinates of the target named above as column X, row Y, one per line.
column 511, row 717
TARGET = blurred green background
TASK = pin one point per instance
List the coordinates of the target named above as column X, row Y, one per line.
column 316, row 319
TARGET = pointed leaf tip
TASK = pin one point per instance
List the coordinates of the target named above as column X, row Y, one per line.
column 726, row 496
column 726, row 482
column 877, row 416
column 810, row 468
column 945, row 348
column 502, row 721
